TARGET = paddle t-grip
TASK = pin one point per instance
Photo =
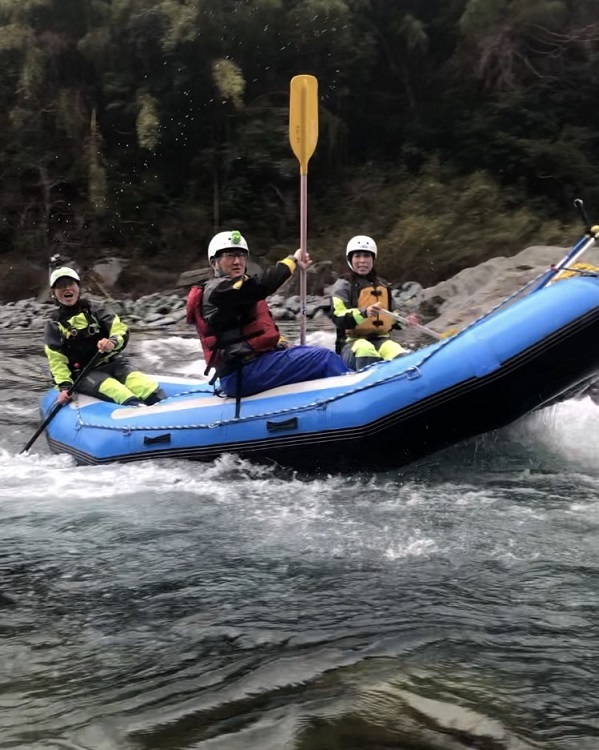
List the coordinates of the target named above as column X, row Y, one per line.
column 579, row 204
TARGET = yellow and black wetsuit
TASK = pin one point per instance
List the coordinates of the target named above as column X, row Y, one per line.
column 362, row 340
column 71, row 340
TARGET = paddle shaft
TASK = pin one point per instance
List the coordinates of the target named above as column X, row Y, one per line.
column 57, row 407
column 417, row 326
column 584, row 244
column 303, row 279
column 303, row 136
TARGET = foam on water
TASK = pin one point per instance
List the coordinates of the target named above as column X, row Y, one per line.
column 388, row 516
column 183, row 355
column 175, row 354
column 330, row 515
column 569, row 430
column 274, row 512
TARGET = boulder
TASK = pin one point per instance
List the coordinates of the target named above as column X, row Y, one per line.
column 319, row 277
column 193, row 277
column 474, row 291
column 108, row 271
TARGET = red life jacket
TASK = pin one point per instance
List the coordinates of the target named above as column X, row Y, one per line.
column 258, row 332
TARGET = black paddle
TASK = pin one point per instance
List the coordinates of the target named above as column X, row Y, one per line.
column 56, row 408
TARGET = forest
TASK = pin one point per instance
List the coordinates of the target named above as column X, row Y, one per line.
column 449, row 130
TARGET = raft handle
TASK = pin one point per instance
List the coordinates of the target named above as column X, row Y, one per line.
column 164, row 438
column 287, row 424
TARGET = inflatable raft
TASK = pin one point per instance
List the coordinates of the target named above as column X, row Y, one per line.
column 538, row 350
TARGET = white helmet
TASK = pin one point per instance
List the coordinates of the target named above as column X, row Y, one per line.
column 361, row 243
column 227, row 241
column 62, row 273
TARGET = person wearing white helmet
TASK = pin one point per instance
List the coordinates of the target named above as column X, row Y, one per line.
column 75, row 332
column 239, row 337
column 228, row 241
column 357, row 300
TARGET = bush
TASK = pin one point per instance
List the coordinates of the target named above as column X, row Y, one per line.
column 450, row 222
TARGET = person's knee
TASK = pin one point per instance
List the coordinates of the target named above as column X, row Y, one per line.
column 364, row 348
column 390, row 349
column 359, row 353
column 365, row 353
column 111, row 390
column 141, row 385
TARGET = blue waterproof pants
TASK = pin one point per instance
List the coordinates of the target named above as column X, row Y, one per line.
column 282, row 367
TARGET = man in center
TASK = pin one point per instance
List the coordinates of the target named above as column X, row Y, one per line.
column 239, row 336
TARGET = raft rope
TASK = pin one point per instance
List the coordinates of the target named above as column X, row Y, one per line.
column 410, row 373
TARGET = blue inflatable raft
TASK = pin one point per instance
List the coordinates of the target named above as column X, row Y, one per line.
column 540, row 349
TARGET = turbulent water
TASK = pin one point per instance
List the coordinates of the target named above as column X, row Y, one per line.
column 227, row 606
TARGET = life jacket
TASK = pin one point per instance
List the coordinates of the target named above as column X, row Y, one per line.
column 225, row 348
column 80, row 330
column 367, row 292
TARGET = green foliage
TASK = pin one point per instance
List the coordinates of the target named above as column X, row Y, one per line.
column 148, row 122
column 481, row 15
column 14, row 37
column 182, row 25
column 20, row 11
column 95, row 46
column 517, row 39
column 413, row 32
column 97, row 178
column 71, row 115
column 32, row 74
column 447, row 222
column 449, row 131
column 548, row 14
column 229, row 81
column 98, row 187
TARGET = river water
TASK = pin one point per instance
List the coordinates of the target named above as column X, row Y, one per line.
column 227, row 606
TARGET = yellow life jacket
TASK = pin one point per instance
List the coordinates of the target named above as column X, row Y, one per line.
column 382, row 324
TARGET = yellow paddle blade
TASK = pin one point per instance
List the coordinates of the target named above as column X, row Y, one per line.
column 303, row 118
